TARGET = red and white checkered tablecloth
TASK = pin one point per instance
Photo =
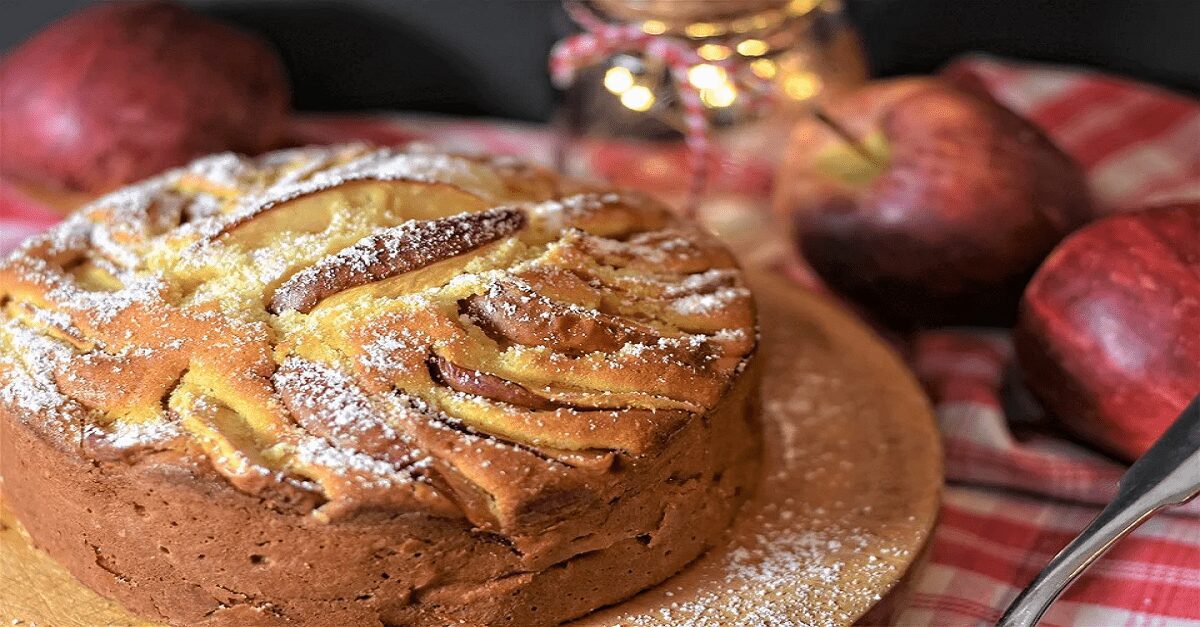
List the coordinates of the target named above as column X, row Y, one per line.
column 1011, row 502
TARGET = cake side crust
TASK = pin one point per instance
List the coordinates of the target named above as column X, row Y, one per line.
column 171, row 540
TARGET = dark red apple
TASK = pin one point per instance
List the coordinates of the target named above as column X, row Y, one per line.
column 926, row 203
column 119, row 91
column 1109, row 332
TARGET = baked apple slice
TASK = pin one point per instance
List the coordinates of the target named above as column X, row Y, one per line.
column 567, row 329
column 410, row 246
column 490, row 386
column 331, row 405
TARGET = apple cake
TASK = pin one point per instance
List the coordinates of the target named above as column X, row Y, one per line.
column 365, row 386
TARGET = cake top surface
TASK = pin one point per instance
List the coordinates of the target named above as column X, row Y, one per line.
column 354, row 327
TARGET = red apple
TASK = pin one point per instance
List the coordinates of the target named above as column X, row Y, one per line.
column 121, row 90
column 926, row 203
column 1109, row 332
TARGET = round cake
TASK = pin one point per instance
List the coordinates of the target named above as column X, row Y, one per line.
column 365, row 386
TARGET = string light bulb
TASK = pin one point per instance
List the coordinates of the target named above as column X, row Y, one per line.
column 764, row 68
column 618, row 79
column 638, row 98
column 752, row 47
column 802, row 85
column 707, row 76
column 700, row 30
column 801, row 7
column 714, row 52
column 719, row 97
column 654, row 27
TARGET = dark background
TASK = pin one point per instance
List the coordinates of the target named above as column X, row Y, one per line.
column 488, row 57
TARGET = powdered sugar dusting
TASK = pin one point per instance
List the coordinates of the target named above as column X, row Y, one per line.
column 333, row 396
column 823, row 539
column 103, row 307
column 224, row 169
column 706, row 304
column 366, row 471
column 558, row 215
column 29, row 374
column 124, row 434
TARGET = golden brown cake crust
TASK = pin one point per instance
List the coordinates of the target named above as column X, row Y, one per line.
column 372, row 386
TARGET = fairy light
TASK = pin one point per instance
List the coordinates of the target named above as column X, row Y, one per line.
column 700, row 30
column 638, row 98
column 714, row 52
column 764, row 68
column 802, row 85
column 618, row 79
column 801, row 7
column 752, row 48
column 654, row 27
column 720, row 96
column 707, row 76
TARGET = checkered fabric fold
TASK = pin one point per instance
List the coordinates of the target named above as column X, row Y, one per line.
column 1012, row 503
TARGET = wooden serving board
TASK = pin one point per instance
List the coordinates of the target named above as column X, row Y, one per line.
column 848, row 498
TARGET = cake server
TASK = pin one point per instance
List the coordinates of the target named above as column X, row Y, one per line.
column 1168, row 474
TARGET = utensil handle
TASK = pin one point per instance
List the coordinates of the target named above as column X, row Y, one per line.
column 1167, row 474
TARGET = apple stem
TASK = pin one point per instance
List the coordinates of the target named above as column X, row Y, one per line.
column 846, row 135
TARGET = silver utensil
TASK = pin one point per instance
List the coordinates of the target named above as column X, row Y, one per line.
column 1168, row 474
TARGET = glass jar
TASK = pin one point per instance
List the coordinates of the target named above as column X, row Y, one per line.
column 622, row 120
